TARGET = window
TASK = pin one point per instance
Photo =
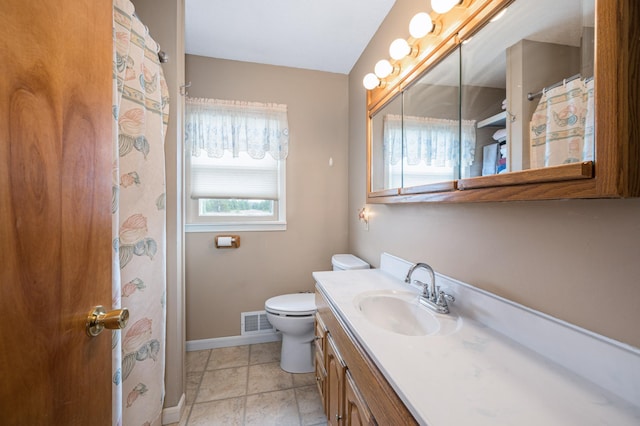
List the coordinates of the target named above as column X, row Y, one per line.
column 236, row 165
column 428, row 147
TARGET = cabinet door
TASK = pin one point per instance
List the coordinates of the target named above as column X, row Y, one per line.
column 321, row 379
column 320, row 367
column 320, row 337
column 335, row 384
column 356, row 411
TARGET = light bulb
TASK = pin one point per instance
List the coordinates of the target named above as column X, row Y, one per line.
column 383, row 68
column 420, row 25
column 399, row 49
column 443, row 6
column 370, row 81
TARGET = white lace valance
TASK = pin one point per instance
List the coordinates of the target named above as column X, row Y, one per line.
column 434, row 141
column 216, row 126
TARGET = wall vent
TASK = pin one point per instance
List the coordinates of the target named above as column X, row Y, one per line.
column 255, row 323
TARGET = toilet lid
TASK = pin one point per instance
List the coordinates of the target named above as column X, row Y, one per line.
column 292, row 304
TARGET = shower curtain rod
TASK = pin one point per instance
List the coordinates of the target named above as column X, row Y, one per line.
column 532, row 96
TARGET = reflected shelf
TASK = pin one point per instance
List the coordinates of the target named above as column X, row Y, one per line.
column 500, row 119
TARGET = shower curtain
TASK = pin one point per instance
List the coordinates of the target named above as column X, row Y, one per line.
column 140, row 113
column 561, row 129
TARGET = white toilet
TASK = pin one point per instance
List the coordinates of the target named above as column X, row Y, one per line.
column 293, row 315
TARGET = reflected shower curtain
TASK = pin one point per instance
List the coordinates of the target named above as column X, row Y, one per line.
column 138, row 206
column 562, row 126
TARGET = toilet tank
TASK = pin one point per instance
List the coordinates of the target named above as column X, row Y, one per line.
column 342, row 262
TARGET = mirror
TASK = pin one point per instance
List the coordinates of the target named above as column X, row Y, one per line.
column 415, row 137
column 514, row 94
column 527, row 78
column 386, row 152
column 430, row 126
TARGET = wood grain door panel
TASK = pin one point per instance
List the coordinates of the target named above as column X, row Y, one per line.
column 55, row 215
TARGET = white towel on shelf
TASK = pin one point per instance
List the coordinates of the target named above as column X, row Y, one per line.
column 490, row 159
column 500, row 135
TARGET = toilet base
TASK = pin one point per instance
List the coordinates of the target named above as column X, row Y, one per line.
column 297, row 354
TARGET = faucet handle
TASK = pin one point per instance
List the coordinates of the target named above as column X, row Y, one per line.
column 425, row 288
column 443, row 298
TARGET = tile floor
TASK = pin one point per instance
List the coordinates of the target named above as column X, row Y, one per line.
column 244, row 385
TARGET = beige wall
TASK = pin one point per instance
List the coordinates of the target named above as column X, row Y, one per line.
column 165, row 20
column 576, row 260
column 222, row 283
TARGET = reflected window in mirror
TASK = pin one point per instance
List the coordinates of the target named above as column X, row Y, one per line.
column 431, row 134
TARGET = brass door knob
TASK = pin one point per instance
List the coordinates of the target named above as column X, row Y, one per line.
column 98, row 319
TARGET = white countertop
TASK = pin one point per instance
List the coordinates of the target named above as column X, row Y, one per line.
column 475, row 376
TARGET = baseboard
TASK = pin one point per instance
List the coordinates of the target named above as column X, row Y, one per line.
column 174, row 414
column 223, row 342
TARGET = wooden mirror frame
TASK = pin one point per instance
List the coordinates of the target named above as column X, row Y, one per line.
column 615, row 173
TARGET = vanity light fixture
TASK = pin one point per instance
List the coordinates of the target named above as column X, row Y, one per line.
column 384, row 68
column 370, row 81
column 421, row 25
column 443, row 6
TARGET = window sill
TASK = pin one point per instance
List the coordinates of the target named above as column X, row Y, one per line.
column 235, row 227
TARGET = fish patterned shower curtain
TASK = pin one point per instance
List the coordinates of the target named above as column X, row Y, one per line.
column 562, row 126
column 140, row 113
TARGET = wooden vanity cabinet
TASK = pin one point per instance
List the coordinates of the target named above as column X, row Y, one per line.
column 356, row 392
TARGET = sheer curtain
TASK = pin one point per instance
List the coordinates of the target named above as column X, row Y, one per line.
column 561, row 128
column 433, row 141
column 216, row 126
column 138, row 209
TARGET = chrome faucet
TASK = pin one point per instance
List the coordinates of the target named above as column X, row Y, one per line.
column 426, row 291
column 431, row 296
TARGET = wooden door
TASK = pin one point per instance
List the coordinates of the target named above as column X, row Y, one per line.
column 55, row 210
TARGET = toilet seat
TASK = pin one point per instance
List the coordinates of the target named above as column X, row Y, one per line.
column 294, row 305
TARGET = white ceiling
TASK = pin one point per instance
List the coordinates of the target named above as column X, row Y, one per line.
column 323, row 35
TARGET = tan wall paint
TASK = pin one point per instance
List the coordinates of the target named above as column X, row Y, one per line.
column 576, row 260
column 165, row 20
column 222, row 283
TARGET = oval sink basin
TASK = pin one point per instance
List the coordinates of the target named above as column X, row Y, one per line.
column 401, row 313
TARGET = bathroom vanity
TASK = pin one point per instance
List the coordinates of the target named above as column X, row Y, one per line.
column 490, row 362
column 348, row 380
